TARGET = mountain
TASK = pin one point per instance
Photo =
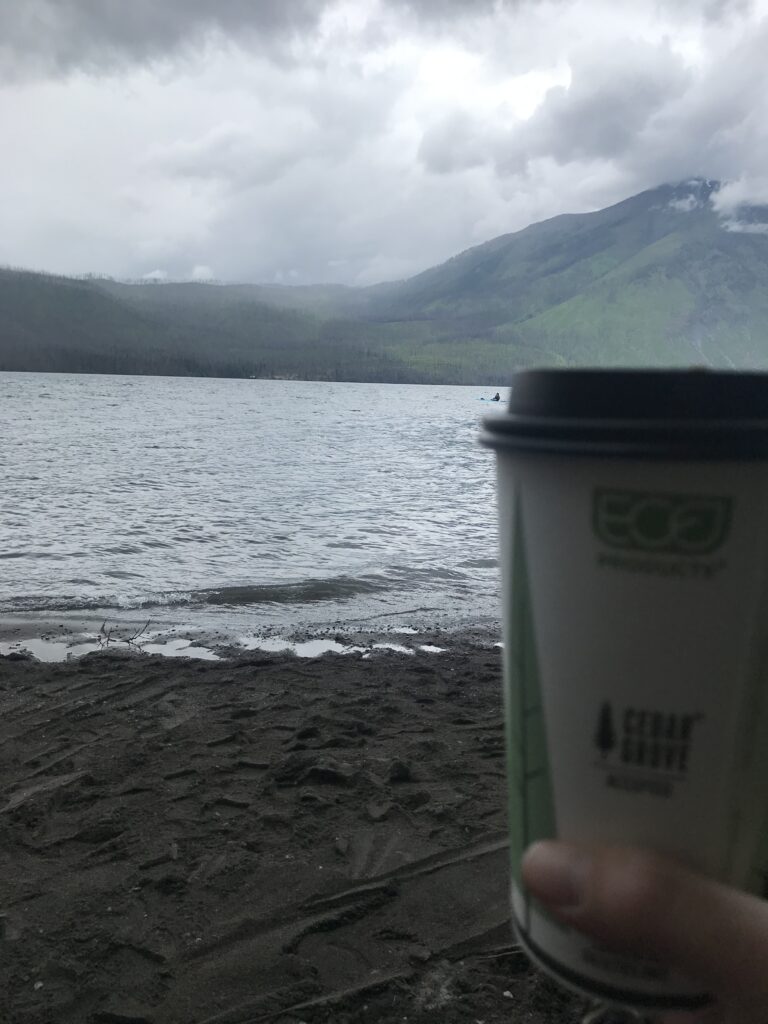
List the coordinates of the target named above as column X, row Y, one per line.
column 658, row 279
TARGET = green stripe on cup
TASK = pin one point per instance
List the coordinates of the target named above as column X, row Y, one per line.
column 531, row 807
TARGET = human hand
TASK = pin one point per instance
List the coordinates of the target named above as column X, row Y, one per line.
column 641, row 903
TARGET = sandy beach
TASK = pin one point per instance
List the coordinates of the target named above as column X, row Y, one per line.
column 262, row 838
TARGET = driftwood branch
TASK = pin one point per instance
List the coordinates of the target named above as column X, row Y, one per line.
column 107, row 636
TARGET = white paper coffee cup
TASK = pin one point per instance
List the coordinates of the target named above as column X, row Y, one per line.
column 634, row 543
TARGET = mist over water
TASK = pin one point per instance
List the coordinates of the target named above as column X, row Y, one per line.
column 231, row 502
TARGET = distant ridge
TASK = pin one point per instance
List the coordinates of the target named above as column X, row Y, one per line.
column 658, row 279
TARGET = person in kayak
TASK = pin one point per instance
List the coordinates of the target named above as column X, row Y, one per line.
column 496, row 397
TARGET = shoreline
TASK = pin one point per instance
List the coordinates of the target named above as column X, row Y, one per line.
column 51, row 640
column 264, row 837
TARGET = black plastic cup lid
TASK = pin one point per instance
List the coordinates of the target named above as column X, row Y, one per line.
column 681, row 414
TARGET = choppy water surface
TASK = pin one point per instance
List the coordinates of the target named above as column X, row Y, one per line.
column 244, row 502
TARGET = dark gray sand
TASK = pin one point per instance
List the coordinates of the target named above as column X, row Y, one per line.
column 260, row 839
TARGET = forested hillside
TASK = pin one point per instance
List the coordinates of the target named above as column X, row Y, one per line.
column 659, row 279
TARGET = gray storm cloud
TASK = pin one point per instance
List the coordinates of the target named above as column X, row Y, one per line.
column 636, row 106
column 63, row 34
column 54, row 36
column 610, row 100
column 358, row 140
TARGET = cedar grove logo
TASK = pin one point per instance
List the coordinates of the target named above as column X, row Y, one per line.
column 644, row 738
column 659, row 523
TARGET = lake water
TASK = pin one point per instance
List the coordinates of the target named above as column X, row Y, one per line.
column 237, row 504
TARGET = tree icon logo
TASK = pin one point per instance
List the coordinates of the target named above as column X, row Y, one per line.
column 605, row 734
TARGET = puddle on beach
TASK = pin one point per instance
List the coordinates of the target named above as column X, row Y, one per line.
column 63, row 650
column 314, row 648
column 393, row 647
column 303, row 649
column 181, row 649
column 48, row 650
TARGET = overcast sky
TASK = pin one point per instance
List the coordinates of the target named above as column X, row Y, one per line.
column 306, row 141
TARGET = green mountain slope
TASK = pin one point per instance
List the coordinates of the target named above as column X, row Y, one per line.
column 518, row 275
column 658, row 279
column 694, row 296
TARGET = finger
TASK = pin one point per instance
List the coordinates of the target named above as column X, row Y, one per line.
column 649, row 905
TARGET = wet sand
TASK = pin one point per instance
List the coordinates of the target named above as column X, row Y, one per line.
column 263, row 838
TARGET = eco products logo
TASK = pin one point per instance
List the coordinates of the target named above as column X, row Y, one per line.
column 659, row 523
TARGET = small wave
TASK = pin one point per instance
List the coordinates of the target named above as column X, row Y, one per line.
column 306, row 591
column 480, row 563
column 77, row 603
column 303, row 592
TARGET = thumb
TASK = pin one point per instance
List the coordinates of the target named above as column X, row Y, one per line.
column 649, row 905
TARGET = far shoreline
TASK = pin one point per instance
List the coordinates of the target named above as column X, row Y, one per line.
column 493, row 386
